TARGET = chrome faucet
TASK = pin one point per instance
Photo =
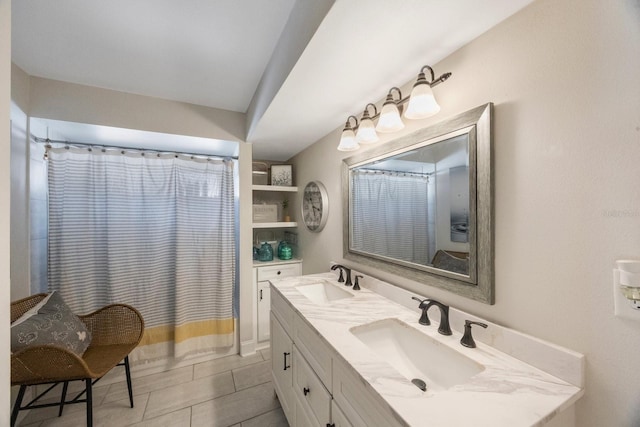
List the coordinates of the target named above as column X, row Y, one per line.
column 425, row 304
column 346, row 270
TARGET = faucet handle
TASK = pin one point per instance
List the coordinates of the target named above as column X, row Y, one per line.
column 356, row 285
column 467, row 338
column 423, row 302
column 424, row 318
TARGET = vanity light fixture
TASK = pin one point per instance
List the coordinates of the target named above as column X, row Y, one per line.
column 348, row 140
column 390, row 120
column 367, row 130
column 422, row 104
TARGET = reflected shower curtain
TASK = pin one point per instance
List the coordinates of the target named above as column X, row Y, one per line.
column 155, row 231
column 389, row 215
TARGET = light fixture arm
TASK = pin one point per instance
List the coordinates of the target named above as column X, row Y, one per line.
column 433, row 82
column 347, row 125
column 390, row 95
column 375, row 111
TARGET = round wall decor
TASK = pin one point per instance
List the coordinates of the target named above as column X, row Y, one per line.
column 315, row 206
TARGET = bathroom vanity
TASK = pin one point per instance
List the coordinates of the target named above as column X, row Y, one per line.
column 347, row 358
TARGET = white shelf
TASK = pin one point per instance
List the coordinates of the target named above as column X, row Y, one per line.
column 276, row 261
column 275, row 224
column 274, row 188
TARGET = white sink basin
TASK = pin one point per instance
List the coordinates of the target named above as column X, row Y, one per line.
column 323, row 293
column 415, row 355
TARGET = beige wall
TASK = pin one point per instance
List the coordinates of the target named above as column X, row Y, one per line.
column 20, row 82
column 52, row 99
column 5, row 151
column 563, row 75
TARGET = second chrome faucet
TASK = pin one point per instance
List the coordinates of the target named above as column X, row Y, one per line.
column 425, row 304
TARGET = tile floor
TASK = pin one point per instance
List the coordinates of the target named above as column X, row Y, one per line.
column 231, row 391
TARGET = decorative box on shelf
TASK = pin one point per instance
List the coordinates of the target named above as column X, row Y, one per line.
column 265, row 213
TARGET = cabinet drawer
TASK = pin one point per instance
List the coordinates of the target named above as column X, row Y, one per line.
column 310, row 391
column 314, row 350
column 356, row 401
column 281, row 309
column 279, row 271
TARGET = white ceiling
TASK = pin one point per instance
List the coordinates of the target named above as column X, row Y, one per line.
column 214, row 52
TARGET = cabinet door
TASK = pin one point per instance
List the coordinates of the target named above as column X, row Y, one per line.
column 281, row 367
column 264, row 306
column 302, row 418
column 310, row 391
column 338, row 419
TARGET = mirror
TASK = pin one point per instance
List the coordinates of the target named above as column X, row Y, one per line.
column 421, row 206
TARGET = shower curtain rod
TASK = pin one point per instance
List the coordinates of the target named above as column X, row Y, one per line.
column 427, row 174
column 86, row 144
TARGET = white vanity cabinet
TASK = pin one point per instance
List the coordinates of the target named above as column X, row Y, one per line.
column 261, row 276
column 305, row 377
column 358, row 406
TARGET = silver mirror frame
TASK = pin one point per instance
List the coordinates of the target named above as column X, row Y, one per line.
column 479, row 285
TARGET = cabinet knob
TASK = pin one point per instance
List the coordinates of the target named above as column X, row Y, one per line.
column 278, row 272
column 306, row 390
column 331, row 425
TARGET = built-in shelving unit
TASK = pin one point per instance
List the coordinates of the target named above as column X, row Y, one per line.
column 263, row 271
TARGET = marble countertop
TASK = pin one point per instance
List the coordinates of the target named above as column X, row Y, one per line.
column 508, row 392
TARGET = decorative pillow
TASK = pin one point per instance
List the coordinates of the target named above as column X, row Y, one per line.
column 52, row 323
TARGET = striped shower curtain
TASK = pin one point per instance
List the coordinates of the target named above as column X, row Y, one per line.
column 155, row 231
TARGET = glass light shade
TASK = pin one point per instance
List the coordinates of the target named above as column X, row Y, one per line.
column 389, row 120
column 366, row 132
column 348, row 140
column 422, row 103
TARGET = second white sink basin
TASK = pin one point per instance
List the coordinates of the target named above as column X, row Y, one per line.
column 323, row 293
column 416, row 355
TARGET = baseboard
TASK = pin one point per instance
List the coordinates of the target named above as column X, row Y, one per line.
column 247, row 348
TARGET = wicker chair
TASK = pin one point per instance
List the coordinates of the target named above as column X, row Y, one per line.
column 116, row 330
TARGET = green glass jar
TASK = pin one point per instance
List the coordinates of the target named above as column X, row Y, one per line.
column 284, row 250
column 265, row 253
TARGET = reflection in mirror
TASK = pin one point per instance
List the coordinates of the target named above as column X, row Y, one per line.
column 421, row 206
column 414, row 206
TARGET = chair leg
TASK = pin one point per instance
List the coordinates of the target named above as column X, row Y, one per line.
column 64, row 397
column 128, row 373
column 16, row 406
column 89, row 383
